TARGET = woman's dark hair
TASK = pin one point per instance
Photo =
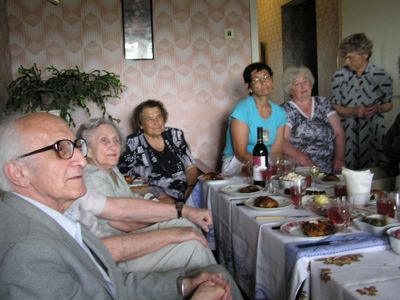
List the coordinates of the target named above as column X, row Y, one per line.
column 258, row 66
column 136, row 120
column 358, row 43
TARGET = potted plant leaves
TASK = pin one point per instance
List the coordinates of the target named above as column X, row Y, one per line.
column 63, row 90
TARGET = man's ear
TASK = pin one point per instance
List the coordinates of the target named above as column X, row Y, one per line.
column 16, row 173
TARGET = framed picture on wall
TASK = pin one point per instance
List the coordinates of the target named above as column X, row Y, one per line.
column 138, row 29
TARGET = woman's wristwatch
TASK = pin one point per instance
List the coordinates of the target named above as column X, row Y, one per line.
column 179, row 207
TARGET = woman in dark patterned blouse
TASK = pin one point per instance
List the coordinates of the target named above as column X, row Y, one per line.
column 313, row 133
column 361, row 94
column 159, row 154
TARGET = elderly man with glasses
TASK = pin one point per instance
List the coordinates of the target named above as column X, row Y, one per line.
column 46, row 255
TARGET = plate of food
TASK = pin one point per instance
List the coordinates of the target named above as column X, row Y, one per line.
column 329, row 179
column 312, row 228
column 242, row 189
column 320, row 204
column 212, row 177
column 268, row 203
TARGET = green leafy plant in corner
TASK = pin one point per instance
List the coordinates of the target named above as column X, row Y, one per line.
column 64, row 90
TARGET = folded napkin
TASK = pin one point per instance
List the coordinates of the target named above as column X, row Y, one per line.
column 358, row 182
column 338, row 244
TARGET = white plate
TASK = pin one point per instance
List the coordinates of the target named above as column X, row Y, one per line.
column 294, row 229
column 201, row 178
column 284, row 202
column 233, row 190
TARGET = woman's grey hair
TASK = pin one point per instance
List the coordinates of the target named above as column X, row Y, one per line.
column 358, row 43
column 87, row 129
column 292, row 73
column 11, row 146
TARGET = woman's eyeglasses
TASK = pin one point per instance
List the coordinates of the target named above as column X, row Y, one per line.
column 258, row 80
column 64, row 148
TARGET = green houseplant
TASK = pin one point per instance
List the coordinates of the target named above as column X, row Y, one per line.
column 63, row 90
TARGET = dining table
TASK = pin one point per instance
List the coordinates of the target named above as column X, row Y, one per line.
column 270, row 261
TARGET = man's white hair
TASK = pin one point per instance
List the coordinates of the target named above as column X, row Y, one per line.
column 10, row 145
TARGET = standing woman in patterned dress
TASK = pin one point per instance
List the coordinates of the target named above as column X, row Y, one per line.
column 361, row 94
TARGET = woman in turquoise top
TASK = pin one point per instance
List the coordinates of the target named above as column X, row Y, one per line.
column 257, row 110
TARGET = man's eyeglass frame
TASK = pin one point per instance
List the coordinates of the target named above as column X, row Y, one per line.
column 80, row 143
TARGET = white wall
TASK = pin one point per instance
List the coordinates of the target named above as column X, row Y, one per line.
column 380, row 21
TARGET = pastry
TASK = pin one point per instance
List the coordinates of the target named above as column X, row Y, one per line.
column 318, row 228
column 249, row 189
column 330, row 177
column 265, row 202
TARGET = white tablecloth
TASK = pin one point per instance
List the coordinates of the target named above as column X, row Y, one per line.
column 255, row 253
column 374, row 275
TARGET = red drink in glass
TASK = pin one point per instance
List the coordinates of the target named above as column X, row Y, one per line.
column 267, row 174
column 296, row 193
column 385, row 207
column 334, row 215
column 273, row 169
column 340, row 190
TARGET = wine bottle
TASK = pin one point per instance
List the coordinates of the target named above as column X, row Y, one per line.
column 260, row 159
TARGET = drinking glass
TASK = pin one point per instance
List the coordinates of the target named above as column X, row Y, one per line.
column 314, row 171
column 345, row 213
column 267, row 174
column 386, row 205
column 339, row 213
column 247, row 172
column 273, row 161
column 285, row 165
column 297, row 190
column 340, row 189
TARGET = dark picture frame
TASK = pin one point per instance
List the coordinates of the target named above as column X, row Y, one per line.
column 138, row 29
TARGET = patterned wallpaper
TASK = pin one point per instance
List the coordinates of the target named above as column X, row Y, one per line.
column 270, row 32
column 196, row 71
column 5, row 61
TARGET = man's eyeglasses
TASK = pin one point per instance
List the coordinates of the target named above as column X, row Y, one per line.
column 265, row 78
column 63, row 148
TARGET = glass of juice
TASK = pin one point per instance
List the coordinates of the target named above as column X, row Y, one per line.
column 297, row 190
column 340, row 189
column 339, row 212
column 386, row 205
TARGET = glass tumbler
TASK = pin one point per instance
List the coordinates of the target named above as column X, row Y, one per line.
column 297, row 190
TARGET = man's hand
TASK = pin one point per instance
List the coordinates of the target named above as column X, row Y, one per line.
column 183, row 234
column 208, row 290
column 191, row 285
column 199, row 216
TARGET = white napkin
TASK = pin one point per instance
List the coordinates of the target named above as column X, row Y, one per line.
column 358, row 185
column 358, row 182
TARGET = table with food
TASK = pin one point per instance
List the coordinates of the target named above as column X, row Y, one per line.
column 278, row 248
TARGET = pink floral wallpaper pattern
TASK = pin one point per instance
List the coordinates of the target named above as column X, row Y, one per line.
column 196, row 71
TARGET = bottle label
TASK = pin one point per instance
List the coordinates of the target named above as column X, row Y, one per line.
column 259, row 167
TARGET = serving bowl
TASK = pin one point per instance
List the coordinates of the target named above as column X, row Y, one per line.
column 394, row 238
column 377, row 224
column 286, row 181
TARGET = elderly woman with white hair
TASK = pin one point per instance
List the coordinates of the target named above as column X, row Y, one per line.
column 313, row 133
column 139, row 247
